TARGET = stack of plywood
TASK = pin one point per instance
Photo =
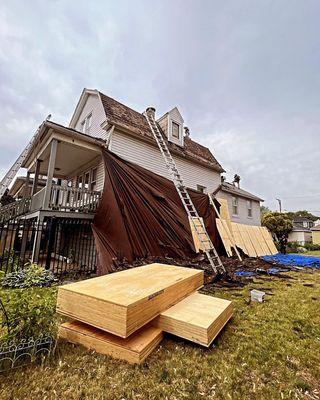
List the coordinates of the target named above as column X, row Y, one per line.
column 124, row 314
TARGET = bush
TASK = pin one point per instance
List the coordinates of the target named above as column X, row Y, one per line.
column 31, row 313
column 32, row 275
column 312, row 247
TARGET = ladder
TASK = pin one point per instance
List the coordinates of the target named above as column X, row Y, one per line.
column 10, row 175
column 204, row 239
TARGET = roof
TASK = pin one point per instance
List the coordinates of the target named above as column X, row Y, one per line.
column 302, row 219
column 121, row 115
column 230, row 188
column 316, row 228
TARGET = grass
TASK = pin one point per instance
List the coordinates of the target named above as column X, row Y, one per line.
column 267, row 351
column 312, row 253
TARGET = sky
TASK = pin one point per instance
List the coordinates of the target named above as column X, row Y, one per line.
column 245, row 75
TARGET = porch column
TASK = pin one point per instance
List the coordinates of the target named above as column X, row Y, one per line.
column 52, row 161
column 37, row 240
column 26, row 186
column 36, row 177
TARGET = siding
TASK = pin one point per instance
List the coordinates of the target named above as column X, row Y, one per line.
column 242, row 217
column 150, row 158
column 93, row 104
column 299, row 237
column 316, row 237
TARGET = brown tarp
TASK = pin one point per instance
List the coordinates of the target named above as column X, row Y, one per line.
column 141, row 214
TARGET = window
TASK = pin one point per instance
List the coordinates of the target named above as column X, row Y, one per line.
column 234, row 205
column 86, row 124
column 249, row 208
column 86, row 180
column 93, row 183
column 201, row 188
column 175, row 130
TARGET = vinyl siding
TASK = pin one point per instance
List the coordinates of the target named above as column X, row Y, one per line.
column 300, row 237
column 93, row 104
column 149, row 157
column 242, row 217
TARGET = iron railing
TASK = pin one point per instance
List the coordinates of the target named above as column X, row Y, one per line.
column 14, row 209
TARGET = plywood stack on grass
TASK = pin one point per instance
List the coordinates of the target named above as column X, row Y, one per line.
column 198, row 318
column 112, row 314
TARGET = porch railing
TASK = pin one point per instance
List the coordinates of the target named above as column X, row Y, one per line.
column 65, row 198
column 15, row 209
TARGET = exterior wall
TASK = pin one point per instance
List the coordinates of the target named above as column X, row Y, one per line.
column 93, row 105
column 316, row 237
column 300, row 237
column 149, row 157
column 242, row 217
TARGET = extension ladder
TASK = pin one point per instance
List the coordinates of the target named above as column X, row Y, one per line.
column 199, row 228
column 10, row 175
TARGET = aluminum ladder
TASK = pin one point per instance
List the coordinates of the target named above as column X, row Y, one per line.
column 10, row 175
column 199, row 228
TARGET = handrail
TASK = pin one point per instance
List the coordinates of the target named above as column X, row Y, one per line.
column 15, row 209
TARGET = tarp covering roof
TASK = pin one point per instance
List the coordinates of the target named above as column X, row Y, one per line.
column 141, row 215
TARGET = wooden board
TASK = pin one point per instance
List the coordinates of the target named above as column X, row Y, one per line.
column 262, row 242
column 221, row 226
column 246, row 239
column 254, row 240
column 198, row 318
column 238, row 238
column 201, row 229
column 268, row 238
column 224, row 212
column 122, row 302
column 134, row 349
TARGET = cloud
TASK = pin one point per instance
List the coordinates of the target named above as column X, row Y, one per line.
column 243, row 74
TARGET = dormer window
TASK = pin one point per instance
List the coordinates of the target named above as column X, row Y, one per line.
column 175, row 130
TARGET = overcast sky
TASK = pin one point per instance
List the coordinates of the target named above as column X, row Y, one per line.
column 244, row 74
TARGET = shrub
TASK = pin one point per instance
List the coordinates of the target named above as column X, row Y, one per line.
column 31, row 313
column 312, row 247
column 32, row 275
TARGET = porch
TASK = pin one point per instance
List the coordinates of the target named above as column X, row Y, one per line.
column 52, row 185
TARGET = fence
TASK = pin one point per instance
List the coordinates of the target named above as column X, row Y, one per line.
column 62, row 245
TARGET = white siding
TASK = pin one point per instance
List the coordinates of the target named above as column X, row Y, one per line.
column 242, row 217
column 300, row 237
column 149, row 157
column 93, row 105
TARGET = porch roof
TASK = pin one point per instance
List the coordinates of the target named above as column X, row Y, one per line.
column 75, row 149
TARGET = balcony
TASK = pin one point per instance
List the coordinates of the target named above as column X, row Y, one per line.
column 62, row 199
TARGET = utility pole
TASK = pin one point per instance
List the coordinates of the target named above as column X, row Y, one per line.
column 280, row 207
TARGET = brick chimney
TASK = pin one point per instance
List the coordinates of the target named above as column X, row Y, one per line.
column 151, row 112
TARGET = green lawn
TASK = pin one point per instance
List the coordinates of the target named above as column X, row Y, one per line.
column 312, row 253
column 267, row 351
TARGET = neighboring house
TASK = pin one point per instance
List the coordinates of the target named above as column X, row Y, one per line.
column 301, row 232
column 71, row 160
column 315, row 231
column 244, row 207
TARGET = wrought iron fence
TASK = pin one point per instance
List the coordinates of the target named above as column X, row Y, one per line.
column 61, row 245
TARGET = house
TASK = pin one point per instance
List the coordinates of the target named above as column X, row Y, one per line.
column 301, row 232
column 71, row 160
column 315, row 232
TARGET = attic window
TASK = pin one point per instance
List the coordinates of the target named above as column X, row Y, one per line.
column 86, row 124
column 175, row 130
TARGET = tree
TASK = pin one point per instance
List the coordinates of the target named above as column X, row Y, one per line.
column 264, row 210
column 280, row 225
column 302, row 213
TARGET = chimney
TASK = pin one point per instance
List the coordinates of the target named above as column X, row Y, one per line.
column 186, row 132
column 151, row 112
column 236, row 180
column 223, row 178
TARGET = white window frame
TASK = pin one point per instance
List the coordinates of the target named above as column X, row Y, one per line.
column 235, row 205
column 86, row 123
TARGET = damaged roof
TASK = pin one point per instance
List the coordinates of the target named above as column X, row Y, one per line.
column 230, row 188
column 124, row 116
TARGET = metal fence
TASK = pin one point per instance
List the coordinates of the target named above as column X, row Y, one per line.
column 61, row 245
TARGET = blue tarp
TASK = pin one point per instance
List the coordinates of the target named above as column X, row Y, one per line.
column 294, row 260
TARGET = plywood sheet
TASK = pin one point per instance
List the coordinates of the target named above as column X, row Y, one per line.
column 238, row 238
column 254, row 239
column 221, row 226
column 268, row 238
column 205, row 245
column 224, row 212
column 198, row 318
column 246, row 239
column 134, row 349
column 262, row 242
column 122, row 302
